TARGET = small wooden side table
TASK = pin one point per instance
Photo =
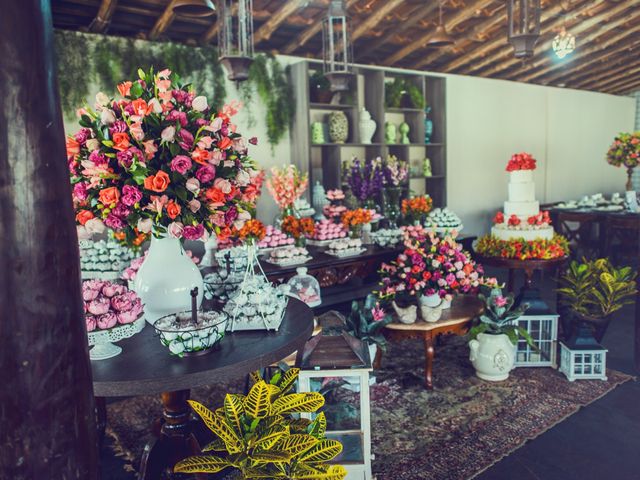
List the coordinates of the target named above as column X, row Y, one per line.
column 528, row 266
column 454, row 321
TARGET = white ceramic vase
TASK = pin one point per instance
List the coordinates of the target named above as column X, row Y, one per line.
column 210, row 246
column 407, row 315
column 431, row 300
column 430, row 314
column 367, row 126
column 493, row 356
column 166, row 278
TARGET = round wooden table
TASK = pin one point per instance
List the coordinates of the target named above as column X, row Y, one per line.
column 145, row 367
column 528, row 266
column 454, row 321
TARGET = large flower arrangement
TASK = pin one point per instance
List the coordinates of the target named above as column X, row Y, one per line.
column 435, row 266
column 521, row 249
column 366, row 179
column 286, row 185
column 521, row 161
column 158, row 159
column 625, row 150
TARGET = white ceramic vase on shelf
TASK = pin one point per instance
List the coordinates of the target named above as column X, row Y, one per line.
column 493, row 356
column 367, row 126
column 166, row 278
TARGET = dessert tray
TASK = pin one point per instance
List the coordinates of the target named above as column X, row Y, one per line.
column 103, row 341
column 184, row 338
column 346, row 253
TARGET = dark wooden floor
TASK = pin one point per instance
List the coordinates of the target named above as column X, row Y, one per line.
column 600, row 442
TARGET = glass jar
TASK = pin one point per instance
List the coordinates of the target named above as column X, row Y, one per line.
column 304, row 287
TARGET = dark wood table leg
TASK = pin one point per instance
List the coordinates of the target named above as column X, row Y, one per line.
column 429, row 352
column 511, row 280
column 377, row 361
column 637, row 329
column 176, row 441
column 101, row 417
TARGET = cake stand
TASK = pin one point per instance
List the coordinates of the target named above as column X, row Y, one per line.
column 102, row 341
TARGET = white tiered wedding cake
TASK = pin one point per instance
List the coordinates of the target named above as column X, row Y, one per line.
column 522, row 217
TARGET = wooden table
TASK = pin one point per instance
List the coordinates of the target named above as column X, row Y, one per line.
column 454, row 321
column 145, row 367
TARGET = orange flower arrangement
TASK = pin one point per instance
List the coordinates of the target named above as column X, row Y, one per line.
column 253, row 230
column 297, row 227
column 355, row 218
column 417, row 205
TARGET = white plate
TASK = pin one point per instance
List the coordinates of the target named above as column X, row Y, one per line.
column 322, row 243
column 346, row 253
column 289, row 261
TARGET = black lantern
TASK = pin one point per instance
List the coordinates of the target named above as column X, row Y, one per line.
column 235, row 37
column 524, row 26
column 336, row 47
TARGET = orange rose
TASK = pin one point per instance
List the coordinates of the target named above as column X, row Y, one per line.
column 125, row 88
column 215, row 196
column 140, row 107
column 73, row 147
column 109, row 196
column 173, row 209
column 121, row 140
column 83, row 216
column 224, row 143
column 158, row 182
column 201, row 156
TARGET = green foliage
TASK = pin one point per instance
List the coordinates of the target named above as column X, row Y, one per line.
column 361, row 323
column 395, row 90
column 499, row 316
column 258, row 435
column 596, row 288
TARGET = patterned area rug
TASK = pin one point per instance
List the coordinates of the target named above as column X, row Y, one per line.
column 456, row 431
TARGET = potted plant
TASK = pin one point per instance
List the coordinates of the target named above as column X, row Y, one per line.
column 257, row 434
column 319, row 88
column 366, row 321
column 592, row 291
column 625, row 150
column 494, row 338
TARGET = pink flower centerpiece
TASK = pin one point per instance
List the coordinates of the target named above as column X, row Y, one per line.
column 286, row 185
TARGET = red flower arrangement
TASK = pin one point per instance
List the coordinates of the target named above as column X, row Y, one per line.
column 542, row 218
column 498, row 218
column 514, row 221
column 520, row 249
column 521, row 161
column 298, row 227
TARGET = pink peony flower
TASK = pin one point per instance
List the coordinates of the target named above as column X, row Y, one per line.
column 114, row 222
column 177, row 116
column 89, row 294
column 122, row 302
column 99, row 306
column 91, row 322
column 181, row 163
column 94, row 284
column 82, row 135
column 112, row 289
column 128, row 316
column 107, row 320
column 80, row 192
column 130, row 195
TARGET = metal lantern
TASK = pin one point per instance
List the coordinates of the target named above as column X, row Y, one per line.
column 235, row 37
column 563, row 44
column 582, row 357
column 336, row 47
column 524, row 25
column 542, row 324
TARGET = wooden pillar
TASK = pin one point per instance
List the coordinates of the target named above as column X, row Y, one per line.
column 636, row 337
column 47, row 415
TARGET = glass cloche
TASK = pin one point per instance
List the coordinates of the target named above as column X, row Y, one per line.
column 305, row 287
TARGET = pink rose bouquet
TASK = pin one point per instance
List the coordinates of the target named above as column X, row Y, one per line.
column 157, row 159
column 286, row 185
column 108, row 304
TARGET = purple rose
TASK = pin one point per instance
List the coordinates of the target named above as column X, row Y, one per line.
column 230, row 215
column 112, row 289
column 180, row 96
column 201, row 122
column 125, row 158
column 99, row 306
column 107, row 320
column 130, row 195
column 121, row 210
column 98, row 159
column 118, row 127
column 82, row 135
column 185, row 139
column 88, row 294
column 181, row 163
column 91, row 322
column 80, row 192
column 224, row 130
column 206, row 173
column 114, row 222
column 193, row 233
column 177, row 116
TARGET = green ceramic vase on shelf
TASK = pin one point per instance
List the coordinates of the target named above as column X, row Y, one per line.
column 338, row 127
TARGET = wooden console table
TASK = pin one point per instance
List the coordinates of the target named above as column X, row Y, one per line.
column 454, row 321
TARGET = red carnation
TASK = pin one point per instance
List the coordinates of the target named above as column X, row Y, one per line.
column 514, row 221
column 498, row 218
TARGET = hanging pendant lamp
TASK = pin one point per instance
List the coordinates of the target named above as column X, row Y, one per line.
column 337, row 50
column 235, row 38
column 194, row 8
column 524, row 26
column 441, row 37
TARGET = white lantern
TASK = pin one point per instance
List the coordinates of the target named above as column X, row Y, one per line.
column 235, row 37
column 524, row 26
column 336, row 47
column 542, row 324
column 582, row 357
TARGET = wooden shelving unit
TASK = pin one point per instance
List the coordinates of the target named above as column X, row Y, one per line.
column 324, row 161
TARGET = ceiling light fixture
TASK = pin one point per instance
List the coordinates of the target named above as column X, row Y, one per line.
column 524, row 26
column 337, row 50
column 441, row 37
column 564, row 43
column 193, row 8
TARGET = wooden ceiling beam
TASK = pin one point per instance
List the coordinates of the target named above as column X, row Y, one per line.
column 460, row 44
column 543, row 56
column 163, row 22
column 462, row 15
column 374, row 18
column 310, row 32
column 416, row 16
column 103, row 17
column 267, row 28
column 632, row 74
column 624, row 86
column 584, row 52
column 618, row 64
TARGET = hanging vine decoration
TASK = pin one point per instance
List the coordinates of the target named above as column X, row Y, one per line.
column 92, row 59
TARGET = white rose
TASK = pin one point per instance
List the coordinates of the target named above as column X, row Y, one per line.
column 94, row 225
column 199, row 103
column 93, row 144
column 83, row 234
column 155, row 105
column 175, row 229
column 144, row 225
column 168, row 134
column 243, row 178
column 193, row 185
column 107, row 116
column 101, row 100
